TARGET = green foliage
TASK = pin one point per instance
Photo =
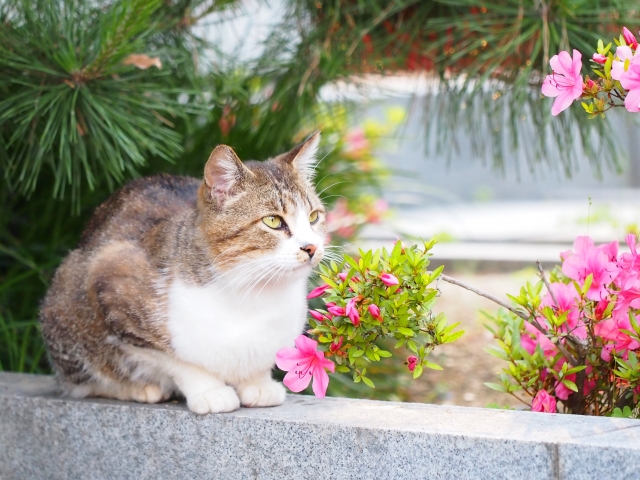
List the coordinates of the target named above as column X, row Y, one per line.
column 487, row 60
column 352, row 333
column 72, row 104
column 589, row 375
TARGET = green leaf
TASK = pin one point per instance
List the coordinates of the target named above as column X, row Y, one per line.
column 368, row 382
column 407, row 332
column 569, row 384
column 432, row 366
column 342, row 369
column 496, row 386
column 417, row 371
column 587, row 284
column 453, row 336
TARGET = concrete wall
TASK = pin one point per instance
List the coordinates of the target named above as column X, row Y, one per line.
column 45, row 436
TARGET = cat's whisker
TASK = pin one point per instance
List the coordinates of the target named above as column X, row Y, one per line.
column 242, row 266
column 329, row 196
column 279, row 269
column 251, row 275
column 255, row 283
column 322, row 159
column 332, row 185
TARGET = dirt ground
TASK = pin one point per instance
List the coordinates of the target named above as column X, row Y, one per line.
column 466, row 365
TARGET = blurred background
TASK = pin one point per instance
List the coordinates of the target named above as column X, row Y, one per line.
column 432, row 121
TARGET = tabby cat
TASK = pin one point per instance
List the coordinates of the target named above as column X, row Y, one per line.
column 190, row 286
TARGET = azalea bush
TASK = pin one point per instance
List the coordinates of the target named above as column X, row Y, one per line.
column 382, row 295
column 616, row 82
column 573, row 342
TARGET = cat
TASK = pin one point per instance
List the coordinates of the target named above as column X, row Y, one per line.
column 187, row 286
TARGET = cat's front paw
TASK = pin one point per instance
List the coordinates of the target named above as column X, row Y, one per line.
column 215, row 400
column 268, row 394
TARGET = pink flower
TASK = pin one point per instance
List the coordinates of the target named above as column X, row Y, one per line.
column 566, row 295
column 335, row 310
column 543, row 402
column 629, row 38
column 317, row 315
column 342, row 276
column 389, row 279
column 623, row 59
column 412, row 361
column 601, row 307
column 318, row 292
column 599, row 58
column 303, row 363
column 631, row 81
column 375, row 312
column 589, row 259
column 356, row 140
column 335, row 345
column 565, row 83
column 352, row 311
column 536, row 337
column 616, row 340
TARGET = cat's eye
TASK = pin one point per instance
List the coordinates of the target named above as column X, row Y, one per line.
column 313, row 218
column 272, row 221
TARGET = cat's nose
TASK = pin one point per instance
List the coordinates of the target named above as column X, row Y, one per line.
column 310, row 249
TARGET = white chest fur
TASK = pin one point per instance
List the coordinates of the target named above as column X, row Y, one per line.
column 234, row 334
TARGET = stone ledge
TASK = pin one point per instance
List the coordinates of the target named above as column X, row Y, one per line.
column 45, row 436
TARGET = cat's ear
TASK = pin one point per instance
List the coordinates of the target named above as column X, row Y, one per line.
column 303, row 157
column 223, row 174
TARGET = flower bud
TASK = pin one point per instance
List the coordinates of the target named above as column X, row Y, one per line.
column 412, row 361
column 352, row 312
column 599, row 58
column 335, row 345
column 389, row 279
column 629, row 38
column 375, row 312
column 318, row 292
column 316, row 315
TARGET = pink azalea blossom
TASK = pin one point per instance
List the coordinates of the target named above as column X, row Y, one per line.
column 629, row 37
column 628, row 297
column 590, row 260
column 536, row 337
column 631, row 81
column 317, row 315
column 389, row 279
column 303, row 363
column 342, row 276
column 375, row 312
column 624, row 54
column 566, row 295
column 318, row 292
column 543, row 402
column 352, row 311
column 565, row 83
column 628, row 261
column 412, row 361
column 617, row 341
column 599, row 58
